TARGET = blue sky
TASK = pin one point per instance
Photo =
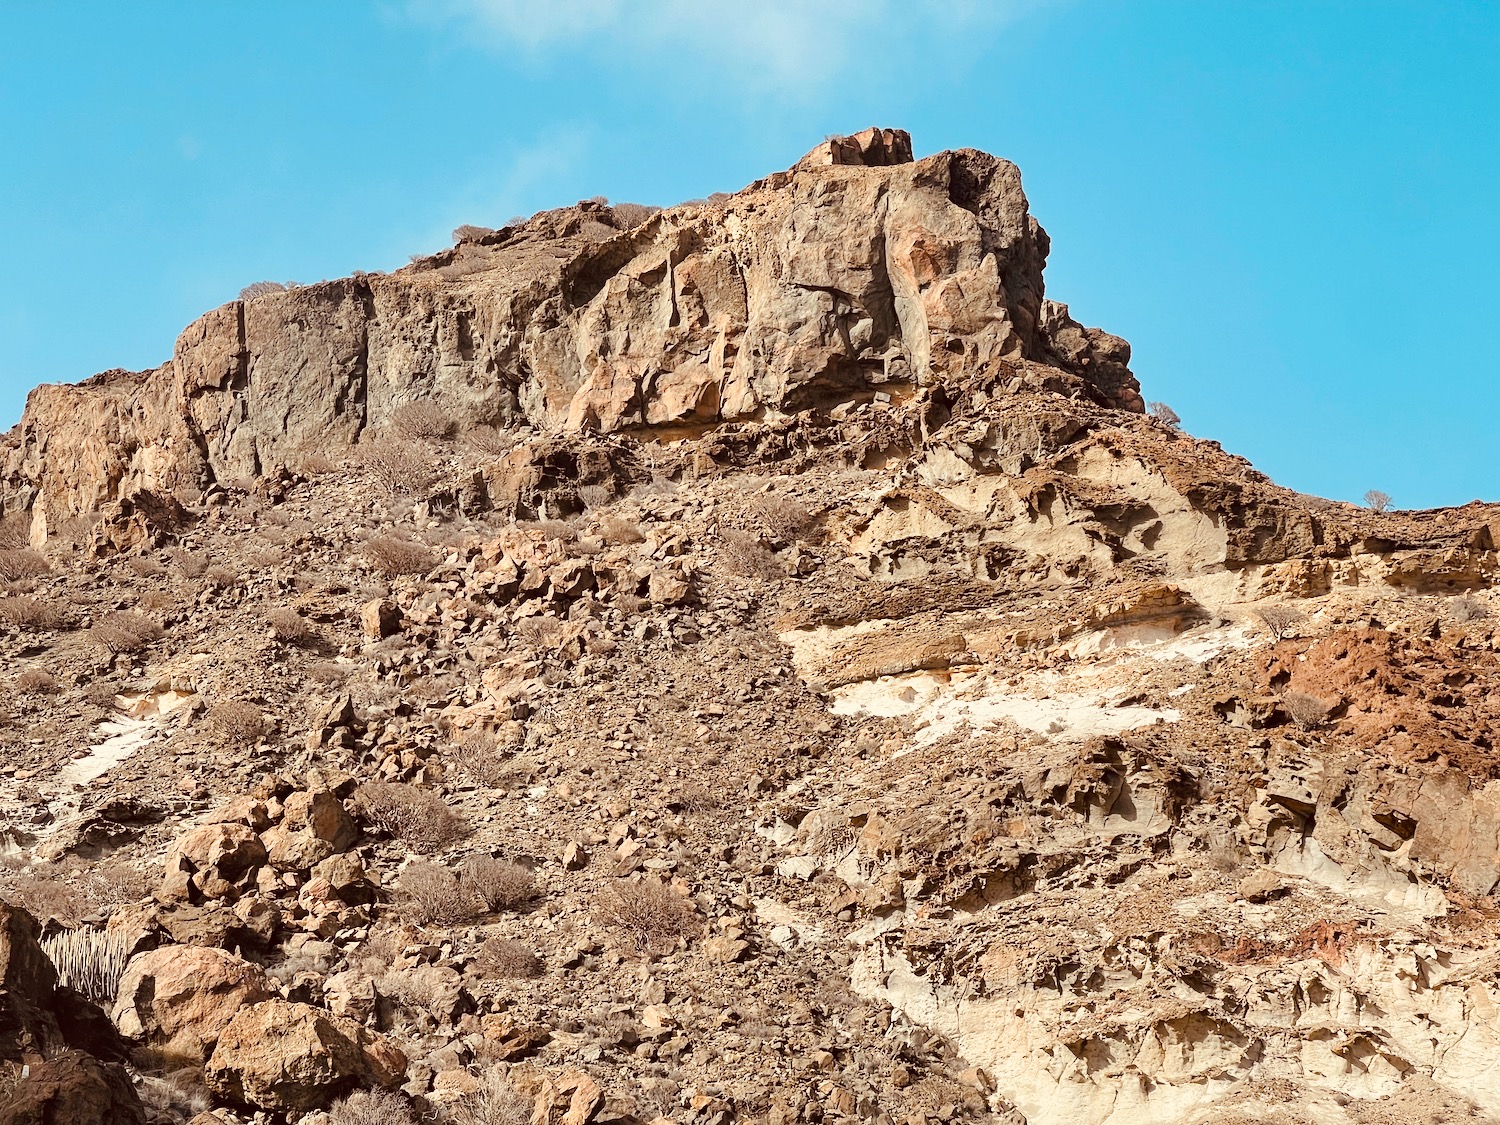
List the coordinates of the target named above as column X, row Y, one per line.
column 1290, row 209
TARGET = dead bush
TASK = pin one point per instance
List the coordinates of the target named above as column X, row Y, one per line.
column 221, row 577
column 15, row 531
column 143, row 566
column 1464, row 608
column 179, row 1096
column 631, row 215
column 35, row 681
column 488, row 441
column 23, row 563
column 314, row 463
column 399, row 467
column 494, row 1103
column 1164, row 414
column 499, row 884
column 1280, row 620
column 786, row 519
column 433, row 893
column 424, row 419
column 191, row 563
column 697, row 798
column 1307, row 711
column 237, row 722
column 72, row 889
column 418, row 817
column 392, row 556
column 619, row 531
column 542, row 632
column 289, row 627
column 747, row 557
column 468, row 232
column 650, row 916
column 372, row 1107
column 124, row 632
column 261, row 289
column 507, row 958
column 31, row 614
column 486, row 761
column 1378, row 501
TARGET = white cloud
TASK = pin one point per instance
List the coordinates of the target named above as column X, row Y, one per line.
column 777, row 43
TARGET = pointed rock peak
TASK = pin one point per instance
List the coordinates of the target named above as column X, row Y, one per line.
column 873, row 148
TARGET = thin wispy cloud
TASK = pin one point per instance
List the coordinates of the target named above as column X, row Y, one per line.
column 791, row 44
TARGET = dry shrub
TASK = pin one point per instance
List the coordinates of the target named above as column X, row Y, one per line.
column 424, row 419
column 392, row 556
column 648, row 914
column 746, row 556
column 542, row 632
column 72, row 889
column 329, row 672
column 433, row 893
column 23, row 563
column 35, row 681
column 630, row 215
column 499, row 884
column 180, row 1096
column 468, row 232
column 561, row 530
column 786, row 520
column 261, row 289
column 124, row 632
column 507, row 958
column 289, row 627
column 221, row 577
column 697, row 798
column 488, row 441
column 237, row 722
column 371, row 1107
column 15, row 531
column 1280, row 620
column 191, row 563
column 314, row 463
column 31, row 614
column 398, row 466
column 1464, row 608
column 1307, row 711
column 483, row 759
column 156, row 600
column 143, row 566
column 619, row 531
column 418, row 817
column 494, row 1103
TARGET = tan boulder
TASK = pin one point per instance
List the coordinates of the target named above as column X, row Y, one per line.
column 314, row 826
column 379, row 618
column 277, row 1055
column 180, row 998
column 211, row 861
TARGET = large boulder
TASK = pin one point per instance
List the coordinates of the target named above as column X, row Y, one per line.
column 28, row 983
column 277, row 1055
column 179, row 999
column 313, row 827
column 212, row 861
column 74, row 1089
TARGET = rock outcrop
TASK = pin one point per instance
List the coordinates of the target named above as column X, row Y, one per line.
column 858, row 271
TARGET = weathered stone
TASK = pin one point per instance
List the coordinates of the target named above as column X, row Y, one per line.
column 380, row 618
column 179, row 999
column 74, row 1088
column 211, row 861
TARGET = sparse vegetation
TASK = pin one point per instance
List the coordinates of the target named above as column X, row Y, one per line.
column 35, row 681
column 468, row 232
column 648, row 915
column 1307, row 711
column 418, row 817
column 1463, row 609
column 15, row 531
column 289, row 627
column 371, row 1107
column 1161, row 412
column 746, row 556
column 124, row 632
column 392, row 556
column 499, row 884
column 1281, row 621
column 237, row 722
column 90, row 961
column 494, row 1103
column 398, row 467
column 23, row 563
column 434, row 893
column 507, row 958
column 631, row 215
column 1377, row 501
column 424, row 419
column 31, row 614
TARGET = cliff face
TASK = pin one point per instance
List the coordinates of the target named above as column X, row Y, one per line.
column 860, row 269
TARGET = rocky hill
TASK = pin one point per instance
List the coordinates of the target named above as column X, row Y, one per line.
column 754, row 660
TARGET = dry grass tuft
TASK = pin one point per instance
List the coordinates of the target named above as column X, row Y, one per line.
column 433, row 893
column 31, row 614
column 371, row 1107
column 746, row 556
column 15, row 531
column 35, row 681
column 500, row 884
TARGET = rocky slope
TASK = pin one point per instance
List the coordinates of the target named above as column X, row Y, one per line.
column 754, row 660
